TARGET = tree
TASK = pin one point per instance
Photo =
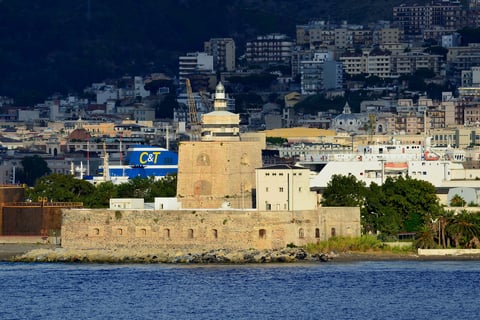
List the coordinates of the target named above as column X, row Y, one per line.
column 457, row 201
column 62, row 188
column 400, row 204
column 101, row 197
column 425, row 238
column 463, row 228
column 148, row 188
column 374, row 206
column 344, row 191
column 34, row 167
column 165, row 187
column 278, row 141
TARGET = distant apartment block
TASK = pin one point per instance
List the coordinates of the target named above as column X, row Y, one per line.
column 409, row 62
column 384, row 64
column 28, row 115
column 450, row 40
column 471, row 77
column 388, row 35
column 320, row 73
column 372, row 62
column 223, row 52
column 414, row 19
column 194, row 63
column 269, row 48
column 462, row 58
column 322, row 34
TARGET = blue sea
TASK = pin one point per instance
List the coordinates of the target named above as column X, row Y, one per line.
column 354, row 290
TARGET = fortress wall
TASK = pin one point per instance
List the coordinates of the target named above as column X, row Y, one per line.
column 203, row 230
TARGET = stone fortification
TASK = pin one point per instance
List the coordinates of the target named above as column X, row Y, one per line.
column 203, row 230
column 213, row 173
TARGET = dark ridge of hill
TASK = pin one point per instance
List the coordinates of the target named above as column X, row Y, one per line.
column 49, row 46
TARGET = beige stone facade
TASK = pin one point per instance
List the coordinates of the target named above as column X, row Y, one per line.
column 214, row 173
column 202, row 230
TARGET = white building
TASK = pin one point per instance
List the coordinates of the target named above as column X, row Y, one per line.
column 194, row 63
column 126, row 203
column 28, row 115
column 139, row 87
column 284, row 188
column 106, row 93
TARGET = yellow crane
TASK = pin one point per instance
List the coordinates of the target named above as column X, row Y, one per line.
column 192, row 112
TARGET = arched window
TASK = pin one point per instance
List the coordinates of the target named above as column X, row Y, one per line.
column 203, row 160
column 119, row 231
column 262, row 234
column 96, row 231
column 333, row 232
column 143, row 232
column 202, row 188
column 166, row 233
column 317, row 233
column 301, row 233
column 215, row 233
column 190, row 233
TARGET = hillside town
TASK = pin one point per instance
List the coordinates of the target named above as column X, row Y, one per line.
column 415, row 75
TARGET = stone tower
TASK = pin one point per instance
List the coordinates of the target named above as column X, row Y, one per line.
column 219, row 170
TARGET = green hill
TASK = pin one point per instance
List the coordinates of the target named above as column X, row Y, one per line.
column 49, row 46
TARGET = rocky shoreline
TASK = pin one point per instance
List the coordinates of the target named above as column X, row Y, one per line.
column 287, row 255
column 49, row 253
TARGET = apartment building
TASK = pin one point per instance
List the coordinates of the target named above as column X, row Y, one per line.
column 388, row 35
column 321, row 73
column 471, row 77
column 385, row 64
column 194, row 63
column 373, row 62
column 413, row 19
column 472, row 115
column 406, row 63
column 462, row 58
column 270, row 48
column 223, row 52
column 320, row 34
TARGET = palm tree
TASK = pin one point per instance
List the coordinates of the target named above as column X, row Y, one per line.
column 444, row 221
column 425, row 237
column 463, row 227
column 457, row 201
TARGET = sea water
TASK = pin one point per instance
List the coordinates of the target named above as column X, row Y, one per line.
column 355, row 290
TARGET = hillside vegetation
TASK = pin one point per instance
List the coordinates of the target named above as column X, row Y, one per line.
column 49, row 46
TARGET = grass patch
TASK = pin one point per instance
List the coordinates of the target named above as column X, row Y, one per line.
column 365, row 243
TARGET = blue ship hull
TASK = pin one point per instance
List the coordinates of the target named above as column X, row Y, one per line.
column 145, row 161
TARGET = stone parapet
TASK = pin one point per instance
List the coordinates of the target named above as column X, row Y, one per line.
column 202, row 230
column 448, row 252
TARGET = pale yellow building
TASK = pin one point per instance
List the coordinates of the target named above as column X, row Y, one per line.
column 284, row 188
